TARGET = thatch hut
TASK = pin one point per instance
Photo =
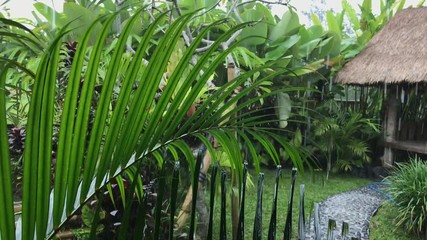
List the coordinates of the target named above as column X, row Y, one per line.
column 396, row 59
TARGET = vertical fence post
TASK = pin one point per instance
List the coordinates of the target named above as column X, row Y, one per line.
column 317, row 231
column 174, row 193
column 159, row 200
column 241, row 226
column 301, row 221
column 272, row 227
column 223, row 225
column 257, row 233
column 332, row 225
column 194, row 197
column 344, row 230
column 288, row 225
column 212, row 200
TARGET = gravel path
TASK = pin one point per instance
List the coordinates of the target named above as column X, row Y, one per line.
column 354, row 207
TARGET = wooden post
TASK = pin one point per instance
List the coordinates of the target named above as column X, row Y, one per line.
column 390, row 125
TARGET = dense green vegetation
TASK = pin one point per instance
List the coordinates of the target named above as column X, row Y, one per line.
column 403, row 217
column 408, row 188
column 103, row 107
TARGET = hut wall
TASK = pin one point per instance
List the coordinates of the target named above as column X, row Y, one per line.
column 412, row 131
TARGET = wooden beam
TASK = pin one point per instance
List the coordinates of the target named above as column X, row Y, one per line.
column 410, row 146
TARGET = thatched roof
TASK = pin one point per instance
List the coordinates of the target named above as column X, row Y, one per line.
column 397, row 53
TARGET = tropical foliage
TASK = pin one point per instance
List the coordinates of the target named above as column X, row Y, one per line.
column 408, row 187
column 110, row 98
column 343, row 137
column 332, row 109
column 99, row 144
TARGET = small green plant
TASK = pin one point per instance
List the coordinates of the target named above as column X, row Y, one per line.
column 409, row 190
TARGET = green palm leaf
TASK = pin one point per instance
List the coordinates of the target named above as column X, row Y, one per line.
column 7, row 224
column 38, row 150
column 127, row 130
column 68, row 121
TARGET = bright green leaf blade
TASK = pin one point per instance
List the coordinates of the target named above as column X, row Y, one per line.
column 18, row 65
column 190, row 90
column 45, row 139
column 117, row 117
column 67, row 128
column 38, row 146
column 170, row 117
column 315, row 19
column 333, row 25
column 144, row 95
column 288, row 25
column 351, row 14
column 31, row 155
column 82, row 119
column 7, row 223
column 9, row 22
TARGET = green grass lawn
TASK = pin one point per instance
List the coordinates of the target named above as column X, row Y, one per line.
column 316, row 190
column 382, row 226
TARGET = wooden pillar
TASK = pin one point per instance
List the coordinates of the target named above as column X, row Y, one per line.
column 390, row 125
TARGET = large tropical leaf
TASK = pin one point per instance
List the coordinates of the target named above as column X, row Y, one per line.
column 134, row 126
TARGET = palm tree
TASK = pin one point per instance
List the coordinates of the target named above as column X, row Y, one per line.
column 343, row 136
column 125, row 130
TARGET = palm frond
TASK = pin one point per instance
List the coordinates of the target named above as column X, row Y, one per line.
column 130, row 128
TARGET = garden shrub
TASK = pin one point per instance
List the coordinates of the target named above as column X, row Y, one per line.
column 342, row 135
column 409, row 190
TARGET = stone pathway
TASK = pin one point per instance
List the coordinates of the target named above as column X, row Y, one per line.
column 354, row 207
